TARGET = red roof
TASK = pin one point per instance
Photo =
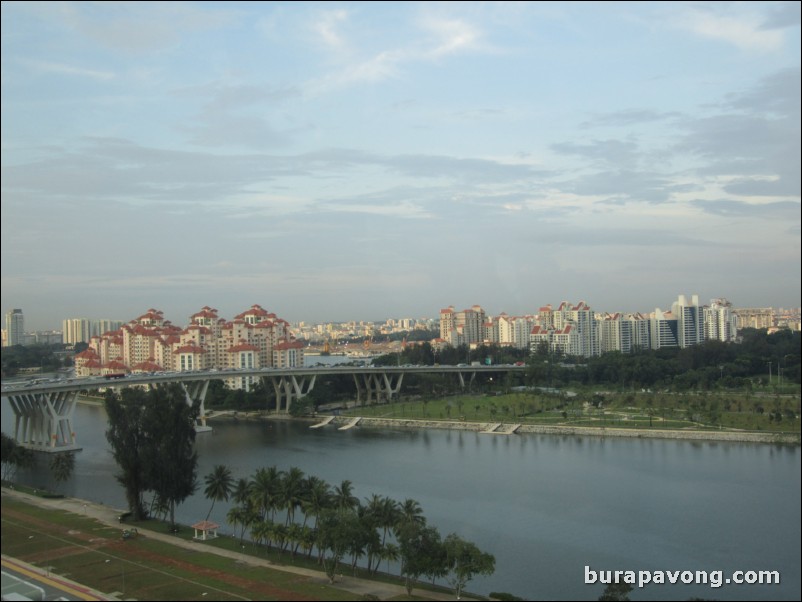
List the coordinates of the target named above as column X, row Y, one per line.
column 149, row 366
column 190, row 348
column 243, row 347
column 285, row 345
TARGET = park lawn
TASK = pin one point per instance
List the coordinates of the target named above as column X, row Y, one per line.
column 94, row 555
column 668, row 410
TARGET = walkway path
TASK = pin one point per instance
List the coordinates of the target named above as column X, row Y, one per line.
column 324, row 423
column 110, row 516
column 351, row 424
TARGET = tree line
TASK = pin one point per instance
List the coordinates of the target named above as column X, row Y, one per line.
column 758, row 359
column 151, row 434
column 298, row 514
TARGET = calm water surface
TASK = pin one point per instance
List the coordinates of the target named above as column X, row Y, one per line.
column 545, row 506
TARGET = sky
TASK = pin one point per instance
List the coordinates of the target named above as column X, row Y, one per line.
column 340, row 161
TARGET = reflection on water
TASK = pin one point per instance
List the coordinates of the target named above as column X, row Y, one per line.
column 544, row 506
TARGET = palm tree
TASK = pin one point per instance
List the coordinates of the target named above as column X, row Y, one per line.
column 344, row 498
column 291, row 492
column 264, row 490
column 219, row 484
column 388, row 552
column 241, row 492
column 409, row 512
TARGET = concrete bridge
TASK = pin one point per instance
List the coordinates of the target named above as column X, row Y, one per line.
column 43, row 409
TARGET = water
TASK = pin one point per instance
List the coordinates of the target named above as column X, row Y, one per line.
column 545, row 506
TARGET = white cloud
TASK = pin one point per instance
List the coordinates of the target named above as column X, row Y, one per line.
column 65, row 69
column 326, row 26
column 745, row 31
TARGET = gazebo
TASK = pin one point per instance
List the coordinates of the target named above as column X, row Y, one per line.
column 205, row 529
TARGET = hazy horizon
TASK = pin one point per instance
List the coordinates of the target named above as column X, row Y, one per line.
column 361, row 161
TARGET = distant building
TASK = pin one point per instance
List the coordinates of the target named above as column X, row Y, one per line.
column 463, row 327
column 663, row 330
column 754, row 317
column 721, row 324
column 690, row 321
column 152, row 344
column 15, row 327
column 75, row 330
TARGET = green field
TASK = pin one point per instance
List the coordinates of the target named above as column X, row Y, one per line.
column 764, row 413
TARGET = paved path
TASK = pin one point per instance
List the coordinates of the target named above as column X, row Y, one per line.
column 110, row 516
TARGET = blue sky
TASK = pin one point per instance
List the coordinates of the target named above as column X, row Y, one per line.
column 336, row 161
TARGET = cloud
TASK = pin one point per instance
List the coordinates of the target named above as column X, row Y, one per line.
column 756, row 139
column 437, row 38
column 782, row 14
column 326, row 26
column 744, row 30
column 450, row 36
column 616, row 152
column 64, row 69
column 626, row 117
column 134, row 26
column 782, row 210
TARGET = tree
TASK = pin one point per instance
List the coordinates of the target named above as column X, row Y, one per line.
column 14, row 457
column 62, row 466
column 172, row 461
column 219, row 485
column 464, row 560
column 127, row 439
column 420, row 550
column 152, row 434
column 616, row 592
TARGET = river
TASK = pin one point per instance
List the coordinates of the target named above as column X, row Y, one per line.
column 545, row 506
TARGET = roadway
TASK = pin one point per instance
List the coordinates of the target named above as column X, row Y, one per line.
column 58, row 385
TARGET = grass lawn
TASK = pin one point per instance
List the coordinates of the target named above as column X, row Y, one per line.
column 703, row 411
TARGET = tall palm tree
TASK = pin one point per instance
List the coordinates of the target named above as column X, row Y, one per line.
column 291, row 492
column 264, row 490
column 389, row 512
column 241, row 492
column 409, row 512
column 344, row 498
column 219, row 484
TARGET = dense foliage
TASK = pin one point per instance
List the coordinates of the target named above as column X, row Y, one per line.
column 152, row 435
column 46, row 358
column 293, row 514
column 757, row 359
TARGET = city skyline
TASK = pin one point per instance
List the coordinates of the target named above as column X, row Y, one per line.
column 359, row 161
column 433, row 316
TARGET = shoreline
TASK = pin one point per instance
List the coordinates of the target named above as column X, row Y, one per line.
column 537, row 429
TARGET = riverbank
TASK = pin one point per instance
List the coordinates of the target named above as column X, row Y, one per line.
column 733, row 436
column 136, row 553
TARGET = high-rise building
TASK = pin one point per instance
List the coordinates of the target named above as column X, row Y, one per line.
column 720, row 322
column 15, row 327
column 76, row 330
column 663, row 330
column 690, row 321
column 462, row 327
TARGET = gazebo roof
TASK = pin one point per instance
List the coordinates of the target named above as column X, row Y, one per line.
column 205, row 525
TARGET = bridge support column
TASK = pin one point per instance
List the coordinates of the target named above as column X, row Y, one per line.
column 196, row 390
column 43, row 421
column 379, row 385
column 462, row 379
column 291, row 387
column 391, row 390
